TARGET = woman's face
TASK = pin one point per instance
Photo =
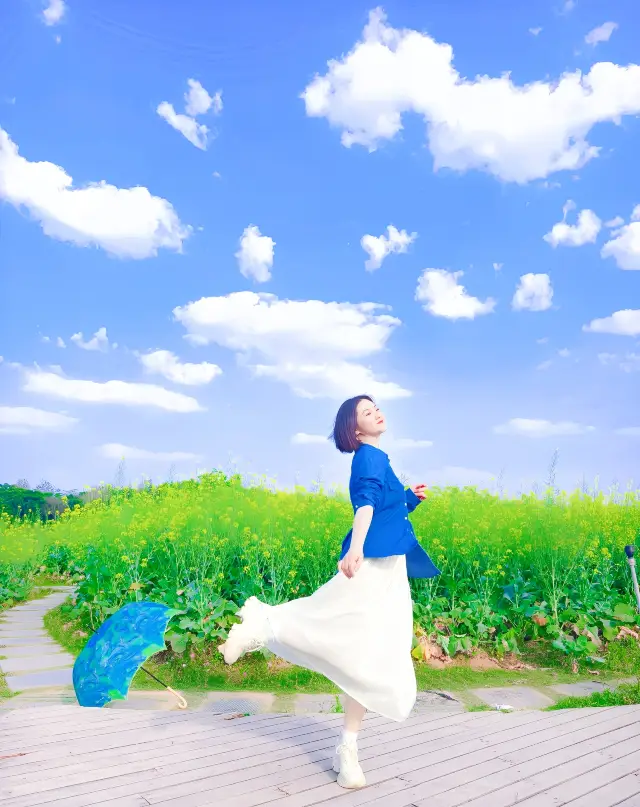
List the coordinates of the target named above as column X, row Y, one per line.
column 370, row 420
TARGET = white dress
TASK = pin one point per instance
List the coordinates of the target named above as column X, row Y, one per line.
column 357, row 632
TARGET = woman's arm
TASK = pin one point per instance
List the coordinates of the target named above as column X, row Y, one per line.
column 352, row 561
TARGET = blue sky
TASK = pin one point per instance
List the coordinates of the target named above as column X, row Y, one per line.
column 233, row 216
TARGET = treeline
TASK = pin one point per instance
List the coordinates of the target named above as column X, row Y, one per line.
column 44, row 502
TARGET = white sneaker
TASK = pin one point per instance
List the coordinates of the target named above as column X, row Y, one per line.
column 346, row 765
column 249, row 635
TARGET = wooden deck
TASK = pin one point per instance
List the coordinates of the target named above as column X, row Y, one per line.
column 66, row 756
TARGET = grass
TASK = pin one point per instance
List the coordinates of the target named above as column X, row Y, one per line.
column 623, row 660
column 207, row 671
column 5, row 692
column 542, row 574
column 623, row 695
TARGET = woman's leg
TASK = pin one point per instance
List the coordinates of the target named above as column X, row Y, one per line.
column 345, row 762
column 353, row 714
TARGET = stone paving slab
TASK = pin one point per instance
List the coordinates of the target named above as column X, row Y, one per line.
column 23, row 650
column 32, row 660
column 30, row 663
column 25, row 640
column 516, row 697
column 582, row 688
column 44, row 678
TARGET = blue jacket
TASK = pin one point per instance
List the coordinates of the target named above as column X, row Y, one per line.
column 391, row 533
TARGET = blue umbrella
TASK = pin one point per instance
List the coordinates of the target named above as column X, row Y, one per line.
column 113, row 655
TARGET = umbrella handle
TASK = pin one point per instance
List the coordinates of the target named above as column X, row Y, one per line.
column 182, row 704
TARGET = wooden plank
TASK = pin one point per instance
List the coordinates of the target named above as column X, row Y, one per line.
column 94, row 793
column 89, row 729
column 241, row 757
column 322, row 784
column 507, row 787
column 439, row 773
column 283, row 760
column 456, row 760
column 612, row 794
column 147, row 740
column 114, row 740
column 634, row 801
column 521, row 785
column 397, row 724
column 218, row 742
column 588, row 780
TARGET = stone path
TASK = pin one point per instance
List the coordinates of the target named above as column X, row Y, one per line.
column 29, row 658
column 40, row 670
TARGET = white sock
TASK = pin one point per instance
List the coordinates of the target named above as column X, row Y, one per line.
column 348, row 737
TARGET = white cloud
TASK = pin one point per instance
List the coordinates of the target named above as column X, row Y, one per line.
column 116, row 451
column 628, row 363
column 543, row 340
column 378, row 247
column 526, row 427
column 60, row 342
column 621, row 323
column 313, row 346
column 197, row 102
column 568, row 6
column 564, row 353
column 544, row 365
column 302, row 439
column 54, row 12
column 196, row 133
column 498, row 266
column 336, row 379
column 534, row 293
column 124, row 393
column 515, row 132
column 455, row 476
column 585, row 231
column 535, row 31
column 443, row 296
column 617, row 221
column 629, row 431
column 127, row 223
column 27, row 420
column 255, row 256
column 409, row 442
column 601, row 34
column 624, row 246
column 167, row 364
column 99, row 341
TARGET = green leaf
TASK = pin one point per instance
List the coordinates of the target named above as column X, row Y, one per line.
column 179, row 642
column 624, row 612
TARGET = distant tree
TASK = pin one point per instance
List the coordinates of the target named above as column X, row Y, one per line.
column 118, row 480
column 23, row 483
column 46, row 487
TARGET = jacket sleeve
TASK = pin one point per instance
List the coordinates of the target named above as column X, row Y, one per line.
column 368, row 474
column 412, row 500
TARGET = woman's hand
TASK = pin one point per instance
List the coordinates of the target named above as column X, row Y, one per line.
column 420, row 491
column 351, row 562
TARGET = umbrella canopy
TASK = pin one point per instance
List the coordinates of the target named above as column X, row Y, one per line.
column 104, row 670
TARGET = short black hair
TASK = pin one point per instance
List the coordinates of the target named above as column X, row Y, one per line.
column 344, row 428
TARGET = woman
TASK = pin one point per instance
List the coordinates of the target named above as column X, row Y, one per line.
column 357, row 629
